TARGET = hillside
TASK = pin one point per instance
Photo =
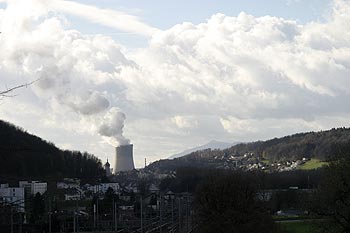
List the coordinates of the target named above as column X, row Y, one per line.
column 322, row 146
column 210, row 145
column 28, row 156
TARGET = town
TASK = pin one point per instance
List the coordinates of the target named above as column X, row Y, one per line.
column 129, row 201
column 70, row 206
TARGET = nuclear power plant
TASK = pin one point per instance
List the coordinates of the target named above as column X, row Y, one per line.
column 124, row 158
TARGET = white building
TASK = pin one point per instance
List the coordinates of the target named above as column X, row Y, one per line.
column 153, row 188
column 69, row 183
column 65, row 185
column 132, row 188
column 72, row 195
column 39, row 188
column 33, row 187
column 103, row 187
column 4, row 185
column 12, row 195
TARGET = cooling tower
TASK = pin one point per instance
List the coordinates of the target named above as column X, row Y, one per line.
column 124, row 158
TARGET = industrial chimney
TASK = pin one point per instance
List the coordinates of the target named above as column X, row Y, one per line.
column 124, row 158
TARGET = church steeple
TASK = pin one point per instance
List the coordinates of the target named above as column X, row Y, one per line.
column 108, row 168
column 107, row 164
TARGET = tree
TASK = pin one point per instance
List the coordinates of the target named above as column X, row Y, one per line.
column 107, row 204
column 28, row 156
column 8, row 91
column 37, row 208
column 143, row 186
column 229, row 203
column 333, row 196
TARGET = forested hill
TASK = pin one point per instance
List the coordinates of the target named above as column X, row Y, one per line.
column 323, row 145
column 23, row 155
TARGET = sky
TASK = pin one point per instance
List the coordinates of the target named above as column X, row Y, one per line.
column 168, row 76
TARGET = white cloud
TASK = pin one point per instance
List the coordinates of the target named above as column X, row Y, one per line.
column 111, row 18
column 184, row 122
column 235, row 78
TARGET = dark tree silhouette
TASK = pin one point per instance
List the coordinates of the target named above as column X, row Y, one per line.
column 229, row 203
column 106, row 205
column 333, row 197
column 23, row 155
column 37, row 208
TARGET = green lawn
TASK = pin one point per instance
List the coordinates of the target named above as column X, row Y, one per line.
column 296, row 227
column 312, row 164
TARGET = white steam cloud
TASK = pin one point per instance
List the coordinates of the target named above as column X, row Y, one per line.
column 112, row 127
column 88, row 102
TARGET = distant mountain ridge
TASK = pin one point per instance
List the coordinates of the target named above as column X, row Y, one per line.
column 23, row 155
column 323, row 145
column 210, row 145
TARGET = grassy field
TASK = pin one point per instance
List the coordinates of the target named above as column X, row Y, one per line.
column 296, row 227
column 312, row 164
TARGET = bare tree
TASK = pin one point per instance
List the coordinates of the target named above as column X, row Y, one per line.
column 9, row 91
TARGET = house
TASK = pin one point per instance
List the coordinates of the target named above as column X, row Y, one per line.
column 13, row 196
column 132, row 187
column 125, row 197
column 33, row 187
column 102, row 188
column 68, row 183
column 72, row 194
column 169, row 195
column 151, row 201
column 153, row 188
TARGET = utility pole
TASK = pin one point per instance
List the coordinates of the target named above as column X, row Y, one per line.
column 77, row 212
column 187, row 213
column 94, row 216
column 74, row 226
column 179, row 214
column 141, row 213
column 50, row 212
column 20, row 223
column 11, row 219
column 172, row 210
column 160, row 213
column 115, row 217
column 97, row 212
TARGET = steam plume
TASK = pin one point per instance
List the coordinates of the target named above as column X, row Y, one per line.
column 112, row 127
